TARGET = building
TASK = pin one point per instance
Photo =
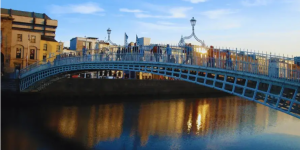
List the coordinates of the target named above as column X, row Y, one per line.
column 6, row 34
column 23, row 32
column 92, row 44
column 78, row 43
column 143, row 41
column 67, row 51
column 31, row 21
column 25, row 47
column 297, row 60
column 49, row 48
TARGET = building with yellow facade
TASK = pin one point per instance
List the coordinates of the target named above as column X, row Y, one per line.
column 49, row 48
column 23, row 37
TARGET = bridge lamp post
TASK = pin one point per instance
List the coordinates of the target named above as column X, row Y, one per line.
column 108, row 39
column 182, row 42
column 193, row 23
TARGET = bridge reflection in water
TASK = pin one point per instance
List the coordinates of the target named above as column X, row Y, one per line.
column 160, row 123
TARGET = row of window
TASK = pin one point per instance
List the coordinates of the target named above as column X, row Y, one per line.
column 19, row 51
column 32, row 52
column 31, row 38
column 57, row 48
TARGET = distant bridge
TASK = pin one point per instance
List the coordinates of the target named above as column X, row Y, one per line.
column 270, row 80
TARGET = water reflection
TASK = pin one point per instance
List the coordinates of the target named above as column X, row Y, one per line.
column 176, row 123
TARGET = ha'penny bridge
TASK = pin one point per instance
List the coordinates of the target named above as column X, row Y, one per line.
column 265, row 78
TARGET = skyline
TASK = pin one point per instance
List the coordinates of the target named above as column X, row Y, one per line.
column 260, row 25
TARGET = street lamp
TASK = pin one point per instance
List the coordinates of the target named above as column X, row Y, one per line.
column 108, row 31
column 193, row 23
column 108, row 39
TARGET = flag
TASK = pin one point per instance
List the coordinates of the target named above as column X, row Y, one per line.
column 125, row 40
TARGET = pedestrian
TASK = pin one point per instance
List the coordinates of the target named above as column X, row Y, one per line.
column 141, row 53
column 101, row 54
column 169, row 52
column 118, row 54
column 156, row 52
column 188, row 53
column 89, row 57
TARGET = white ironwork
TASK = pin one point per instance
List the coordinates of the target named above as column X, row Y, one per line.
column 108, row 39
column 182, row 42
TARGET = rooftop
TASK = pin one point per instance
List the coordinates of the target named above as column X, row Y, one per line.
column 24, row 13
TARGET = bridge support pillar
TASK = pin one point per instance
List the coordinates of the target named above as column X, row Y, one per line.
column 293, row 100
column 269, row 89
column 256, row 88
column 278, row 100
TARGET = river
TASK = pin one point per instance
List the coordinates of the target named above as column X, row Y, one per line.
column 205, row 123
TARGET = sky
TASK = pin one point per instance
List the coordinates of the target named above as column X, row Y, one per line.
column 271, row 26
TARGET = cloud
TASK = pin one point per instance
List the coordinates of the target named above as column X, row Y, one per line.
column 85, row 8
column 177, row 12
column 255, row 2
column 196, row 1
column 214, row 14
column 130, row 10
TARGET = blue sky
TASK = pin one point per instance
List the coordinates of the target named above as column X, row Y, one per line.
column 260, row 25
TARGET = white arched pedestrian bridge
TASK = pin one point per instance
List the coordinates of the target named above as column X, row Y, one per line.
column 266, row 79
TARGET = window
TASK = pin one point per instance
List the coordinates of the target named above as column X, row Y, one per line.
column 44, row 57
column 18, row 52
column 19, row 37
column 32, row 40
column 45, row 47
column 57, row 48
column 90, row 45
column 83, row 45
column 32, row 53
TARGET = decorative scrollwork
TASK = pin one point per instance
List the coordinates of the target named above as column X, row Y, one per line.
column 110, row 42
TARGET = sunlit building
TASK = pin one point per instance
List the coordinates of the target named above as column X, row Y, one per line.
column 21, row 40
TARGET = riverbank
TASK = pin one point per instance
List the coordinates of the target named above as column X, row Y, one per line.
column 79, row 90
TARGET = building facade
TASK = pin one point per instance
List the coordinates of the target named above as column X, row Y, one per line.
column 68, row 51
column 25, row 48
column 31, row 21
column 49, row 48
column 22, row 34
column 6, row 34
column 143, row 41
column 78, row 43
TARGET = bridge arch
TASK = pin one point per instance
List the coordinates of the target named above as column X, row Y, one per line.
column 273, row 93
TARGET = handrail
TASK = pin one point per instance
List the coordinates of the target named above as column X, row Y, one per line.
column 277, row 70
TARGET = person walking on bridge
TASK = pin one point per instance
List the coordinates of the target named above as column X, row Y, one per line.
column 141, row 53
column 157, row 52
column 169, row 52
column 123, row 54
column 118, row 54
column 135, row 50
column 188, row 53
column 101, row 54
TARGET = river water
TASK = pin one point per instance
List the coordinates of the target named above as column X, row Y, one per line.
column 205, row 123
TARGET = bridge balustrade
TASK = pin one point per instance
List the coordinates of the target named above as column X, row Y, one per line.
column 240, row 61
